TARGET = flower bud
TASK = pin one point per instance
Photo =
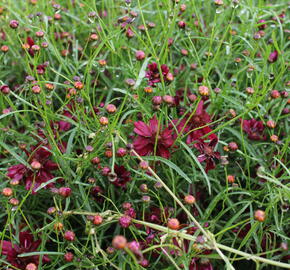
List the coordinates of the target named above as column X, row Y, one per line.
column 189, row 199
column 125, row 221
column 68, row 257
column 35, row 48
column 260, row 215
column 36, row 89
column 126, row 205
column 168, row 99
column 5, row 89
column 250, row 90
column 233, row 146
column 143, row 188
column 144, row 263
column 121, row 152
column 203, row 90
column 146, row 199
column 111, row 108
column 31, row 266
column 7, row 192
column 102, row 62
column 35, row 165
column 14, row 24
column 169, row 77
column 14, row 201
column 104, row 121
column 148, row 89
column 51, row 210
column 140, row 55
column 274, row 138
column 181, row 24
column 173, row 224
column 58, row 226
column 119, row 242
column 95, row 160
column 143, row 165
column 4, row 48
column 275, row 94
column 157, row 100
column 231, row 178
column 97, row 220
column 65, row 192
column 271, row 124
column 69, row 236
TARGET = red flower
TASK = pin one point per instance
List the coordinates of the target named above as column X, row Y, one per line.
column 207, row 153
column 64, row 125
column 191, row 124
column 26, row 245
column 254, row 129
column 30, row 42
column 150, row 135
column 153, row 74
column 123, row 176
column 40, row 154
column 157, row 215
column 16, row 172
column 273, row 57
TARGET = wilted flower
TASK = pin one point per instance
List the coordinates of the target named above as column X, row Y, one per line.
column 254, row 129
column 153, row 74
column 122, row 176
column 207, row 153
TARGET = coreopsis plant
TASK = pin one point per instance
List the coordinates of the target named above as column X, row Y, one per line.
column 144, row 134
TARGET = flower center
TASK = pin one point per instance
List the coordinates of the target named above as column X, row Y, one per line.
column 208, row 150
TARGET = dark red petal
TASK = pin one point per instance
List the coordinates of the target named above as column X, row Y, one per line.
column 30, row 41
column 163, row 152
column 142, row 129
column 141, row 142
column 213, row 143
column 145, row 151
column 153, row 124
column 273, row 57
column 25, row 239
column 209, row 165
column 199, row 108
column 201, row 158
column 6, row 247
column 50, row 165
column 64, row 126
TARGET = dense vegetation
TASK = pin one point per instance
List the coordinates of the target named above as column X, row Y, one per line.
column 144, row 134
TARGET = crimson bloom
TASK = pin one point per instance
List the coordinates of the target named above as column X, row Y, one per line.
column 34, row 178
column 153, row 74
column 123, row 176
column 30, row 42
column 254, row 129
column 64, row 125
column 207, row 153
column 273, row 57
column 150, row 137
column 26, row 245
column 196, row 125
